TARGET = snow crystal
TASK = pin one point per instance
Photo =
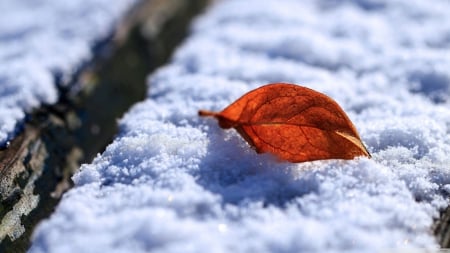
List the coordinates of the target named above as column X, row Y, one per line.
column 40, row 40
column 174, row 182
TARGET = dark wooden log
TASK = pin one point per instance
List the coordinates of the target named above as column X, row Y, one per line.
column 35, row 169
column 441, row 228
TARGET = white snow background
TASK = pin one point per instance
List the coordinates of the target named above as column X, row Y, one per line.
column 174, row 182
column 40, row 39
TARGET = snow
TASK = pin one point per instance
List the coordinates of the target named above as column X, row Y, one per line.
column 174, row 182
column 41, row 41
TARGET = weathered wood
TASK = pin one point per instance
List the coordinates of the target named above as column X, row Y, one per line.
column 36, row 167
column 35, row 170
column 441, row 228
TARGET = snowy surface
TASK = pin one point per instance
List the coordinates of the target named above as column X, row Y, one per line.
column 174, row 182
column 40, row 40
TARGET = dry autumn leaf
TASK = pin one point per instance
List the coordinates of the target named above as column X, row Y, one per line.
column 294, row 123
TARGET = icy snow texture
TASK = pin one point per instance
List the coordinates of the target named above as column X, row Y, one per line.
column 174, row 182
column 42, row 39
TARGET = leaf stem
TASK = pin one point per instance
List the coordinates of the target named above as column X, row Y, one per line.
column 206, row 113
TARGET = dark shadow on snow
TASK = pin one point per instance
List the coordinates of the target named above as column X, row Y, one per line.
column 240, row 176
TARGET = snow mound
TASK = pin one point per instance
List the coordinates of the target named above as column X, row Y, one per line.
column 174, row 182
column 41, row 41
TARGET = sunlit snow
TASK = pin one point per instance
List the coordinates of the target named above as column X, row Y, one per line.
column 174, row 182
column 42, row 41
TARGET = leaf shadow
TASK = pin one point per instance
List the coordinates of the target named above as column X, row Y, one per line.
column 239, row 175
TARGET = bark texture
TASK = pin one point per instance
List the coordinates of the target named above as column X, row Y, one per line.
column 36, row 167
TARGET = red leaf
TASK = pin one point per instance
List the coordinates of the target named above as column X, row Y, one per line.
column 294, row 123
